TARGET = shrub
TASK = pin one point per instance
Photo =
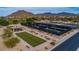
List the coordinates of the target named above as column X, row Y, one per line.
column 10, row 43
column 52, row 43
column 7, row 33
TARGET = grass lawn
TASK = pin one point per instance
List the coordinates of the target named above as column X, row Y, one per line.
column 29, row 38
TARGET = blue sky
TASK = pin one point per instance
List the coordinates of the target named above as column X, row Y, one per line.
column 4, row 11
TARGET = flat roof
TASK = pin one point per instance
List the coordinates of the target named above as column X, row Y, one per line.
column 69, row 45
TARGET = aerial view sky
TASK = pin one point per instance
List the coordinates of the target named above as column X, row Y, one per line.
column 4, row 11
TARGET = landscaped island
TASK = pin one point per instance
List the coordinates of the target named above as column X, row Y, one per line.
column 31, row 39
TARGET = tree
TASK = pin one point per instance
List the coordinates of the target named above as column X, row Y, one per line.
column 3, row 22
column 15, row 22
column 27, row 21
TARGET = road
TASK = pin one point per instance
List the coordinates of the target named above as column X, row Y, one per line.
column 69, row 45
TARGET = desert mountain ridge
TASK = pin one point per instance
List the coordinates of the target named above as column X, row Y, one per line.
column 23, row 13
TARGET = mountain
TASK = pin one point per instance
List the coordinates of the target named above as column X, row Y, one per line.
column 25, row 14
column 57, row 14
column 46, row 14
column 66, row 14
column 20, row 14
